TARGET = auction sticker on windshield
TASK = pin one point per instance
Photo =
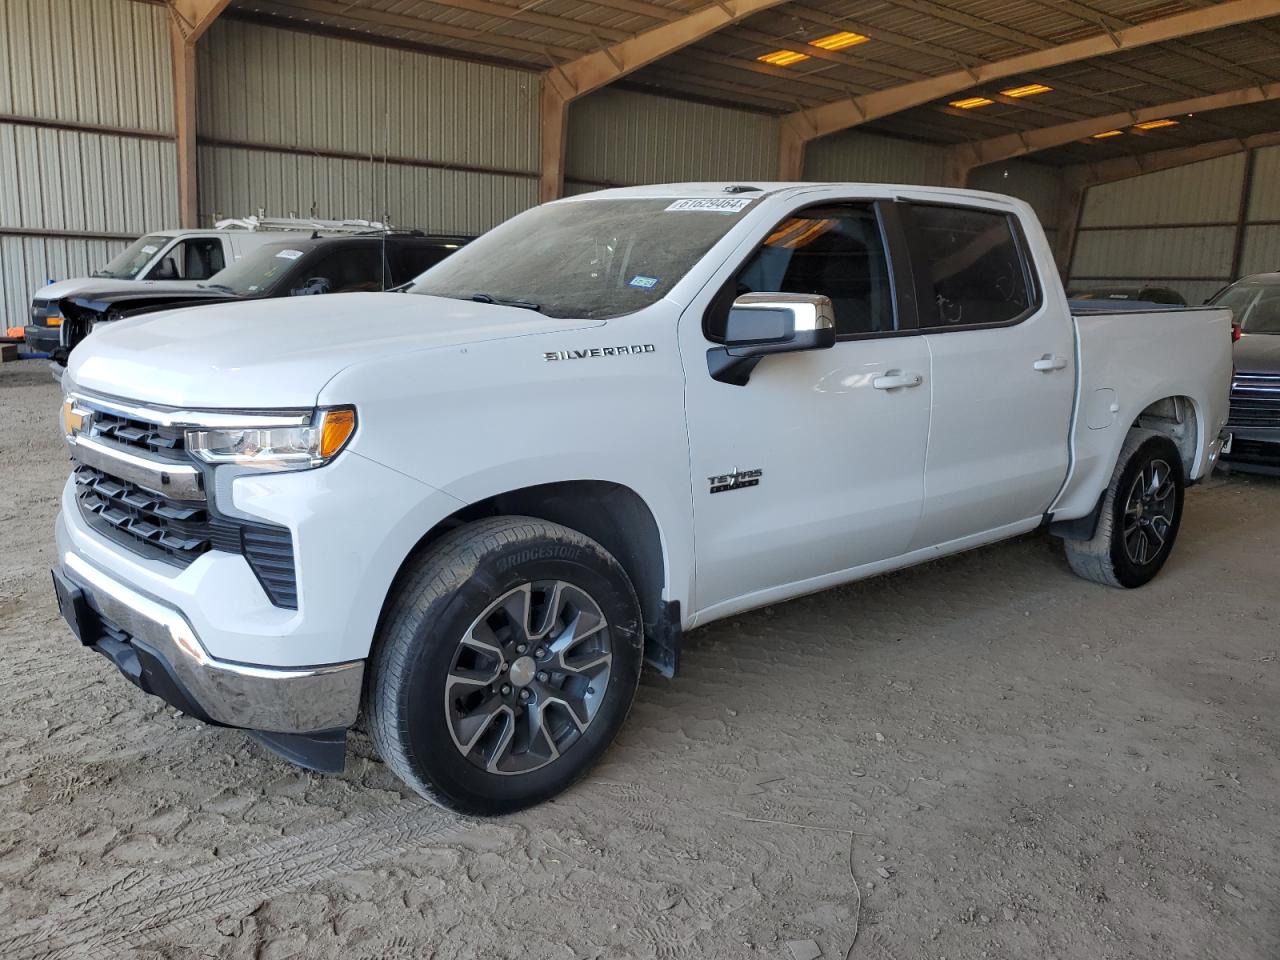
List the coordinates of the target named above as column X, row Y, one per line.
column 289, row 254
column 713, row 204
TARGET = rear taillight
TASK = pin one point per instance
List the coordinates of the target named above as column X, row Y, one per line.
column 1235, row 332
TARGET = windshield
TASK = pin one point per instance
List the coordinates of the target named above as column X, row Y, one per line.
column 1256, row 306
column 127, row 265
column 254, row 274
column 588, row 259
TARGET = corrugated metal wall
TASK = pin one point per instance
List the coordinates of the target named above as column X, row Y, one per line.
column 858, row 157
column 69, row 65
column 621, row 137
column 295, row 122
column 1175, row 228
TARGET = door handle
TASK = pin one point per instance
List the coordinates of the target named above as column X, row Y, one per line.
column 1049, row 363
column 892, row 380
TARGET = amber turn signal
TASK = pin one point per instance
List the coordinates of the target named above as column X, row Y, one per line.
column 336, row 429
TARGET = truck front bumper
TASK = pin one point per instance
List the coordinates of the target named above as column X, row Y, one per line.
column 301, row 712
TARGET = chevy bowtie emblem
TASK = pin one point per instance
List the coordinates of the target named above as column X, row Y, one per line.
column 735, row 481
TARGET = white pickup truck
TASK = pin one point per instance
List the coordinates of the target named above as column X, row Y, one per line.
column 610, row 420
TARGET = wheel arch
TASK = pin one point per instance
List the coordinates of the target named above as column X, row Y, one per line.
column 613, row 515
column 1181, row 419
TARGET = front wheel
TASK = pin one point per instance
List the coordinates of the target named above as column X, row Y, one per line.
column 1140, row 516
column 506, row 664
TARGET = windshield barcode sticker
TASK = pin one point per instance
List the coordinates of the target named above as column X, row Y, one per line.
column 641, row 282
column 713, row 204
column 288, row 254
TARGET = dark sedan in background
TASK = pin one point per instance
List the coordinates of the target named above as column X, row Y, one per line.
column 291, row 268
column 1255, row 387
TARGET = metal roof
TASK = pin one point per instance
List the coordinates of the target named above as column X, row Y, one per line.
column 908, row 40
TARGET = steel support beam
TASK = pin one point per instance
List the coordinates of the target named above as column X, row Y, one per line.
column 964, row 157
column 188, row 21
column 802, row 126
column 565, row 82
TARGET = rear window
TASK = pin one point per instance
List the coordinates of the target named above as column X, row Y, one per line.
column 976, row 272
column 588, row 259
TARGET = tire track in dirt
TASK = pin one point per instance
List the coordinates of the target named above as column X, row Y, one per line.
column 139, row 906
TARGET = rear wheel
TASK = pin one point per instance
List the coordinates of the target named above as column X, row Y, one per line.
column 1140, row 516
column 505, row 666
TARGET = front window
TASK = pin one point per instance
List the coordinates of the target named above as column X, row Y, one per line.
column 254, row 274
column 1256, row 306
column 587, row 259
column 127, row 265
column 835, row 252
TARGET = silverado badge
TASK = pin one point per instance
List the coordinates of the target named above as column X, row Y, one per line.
column 624, row 350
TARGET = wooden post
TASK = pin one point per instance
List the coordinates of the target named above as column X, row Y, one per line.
column 1067, row 222
column 555, row 125
column 791, row 151
column 188, row 20
column 1242, row 216
column 184, row 109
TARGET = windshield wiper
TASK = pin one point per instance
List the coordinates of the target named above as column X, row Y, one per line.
column 504, row 302
column 215, row 286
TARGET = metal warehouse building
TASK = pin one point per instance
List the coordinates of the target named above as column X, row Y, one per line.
column 1141, row 154
column 623, row 480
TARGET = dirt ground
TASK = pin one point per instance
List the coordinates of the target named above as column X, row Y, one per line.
column 983, row 757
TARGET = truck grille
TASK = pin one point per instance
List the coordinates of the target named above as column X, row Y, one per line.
column 179, row 530
column 139, row 435
column 165, row 528
column 1255, row 400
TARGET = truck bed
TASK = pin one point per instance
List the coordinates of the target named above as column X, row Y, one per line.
column 1131, row 363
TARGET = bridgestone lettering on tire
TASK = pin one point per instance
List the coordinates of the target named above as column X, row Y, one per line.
column 506, row 662
column 1140, row 516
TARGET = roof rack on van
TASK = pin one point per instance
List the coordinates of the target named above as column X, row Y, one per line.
column 300, row 223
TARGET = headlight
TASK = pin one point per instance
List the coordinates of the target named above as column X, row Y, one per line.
column 276, row 448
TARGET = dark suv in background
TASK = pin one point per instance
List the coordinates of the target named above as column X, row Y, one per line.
column 291, row 268
column 1254, row 421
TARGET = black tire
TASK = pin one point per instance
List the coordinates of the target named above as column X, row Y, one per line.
column 1106, row 558
column 436, row 602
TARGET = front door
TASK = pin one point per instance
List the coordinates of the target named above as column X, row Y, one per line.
column 816, row 465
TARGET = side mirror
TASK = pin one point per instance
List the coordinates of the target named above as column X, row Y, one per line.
column 763, row 323
column 167, row 269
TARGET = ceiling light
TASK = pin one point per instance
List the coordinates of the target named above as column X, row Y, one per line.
column 838, row 41
column 1155, row 124
column 1106, row 134
column 970, row 102
column 783, row 58
column 1029, row 90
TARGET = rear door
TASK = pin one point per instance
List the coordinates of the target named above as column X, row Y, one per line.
column 1002, row 362
column 816, row 465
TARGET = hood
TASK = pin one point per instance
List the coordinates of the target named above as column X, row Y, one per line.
column 1257, row 353
column 77, row 285
column 101, row 300
column 280, row 353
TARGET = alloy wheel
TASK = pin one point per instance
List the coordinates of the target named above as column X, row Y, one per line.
column 528, row 677
column 1148, row 512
